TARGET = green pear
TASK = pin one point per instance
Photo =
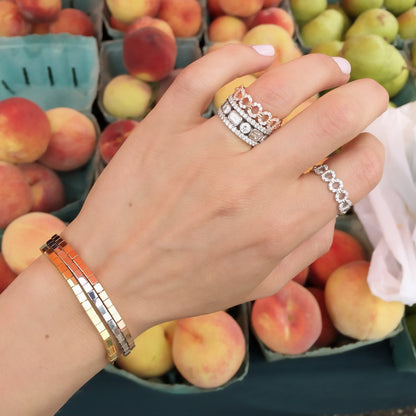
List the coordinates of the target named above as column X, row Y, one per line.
column 378, row 21
column 371, row 56
column 347, row 20
column 407, row 24
column 398, row 6
column 330, row 48
column 355, row 7
column 327, row 26
column 305, row 10
column 395, row 85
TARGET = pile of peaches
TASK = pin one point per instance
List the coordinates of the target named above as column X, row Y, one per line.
column 24, row 17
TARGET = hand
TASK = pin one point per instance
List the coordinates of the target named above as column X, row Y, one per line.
column 188, row 219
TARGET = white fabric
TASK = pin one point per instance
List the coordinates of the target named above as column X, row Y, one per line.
column 388, row 213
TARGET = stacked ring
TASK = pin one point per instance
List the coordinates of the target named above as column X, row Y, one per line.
column 336, row 186
column 247, row 119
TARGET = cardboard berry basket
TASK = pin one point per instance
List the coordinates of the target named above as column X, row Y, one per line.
column 350, row 224
column 111, row 63
column 173, row 382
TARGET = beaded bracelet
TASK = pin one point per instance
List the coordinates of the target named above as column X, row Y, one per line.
column 78, row 275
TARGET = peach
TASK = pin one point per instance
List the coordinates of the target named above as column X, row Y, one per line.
column 126, row 11
column 24, row 130
column 329, row 333
column 344, row 249
column 48, row 193
column 215, row 46
column 113, row 136
column 353, row 309
column 214, row 8
column 117, row 25
column 24, row 236
column 73, row 139
column 126, row 96
column 276, row 16
column 15, row 195
column 72, row 21
column 288, row 322
column 241, row 8
column 183, row 16
column 149, row 53
column 222, row 94
column 208, row 349
column 40, row 28
column 152, row 355
column 150, row 21
column 7, row 275
column 12, row 22
column 39, row 10
column 285, row 47
column 302, row 276
column 225, row 28
column 271, row 3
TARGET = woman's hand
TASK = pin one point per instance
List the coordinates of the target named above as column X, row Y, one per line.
column 188, row 219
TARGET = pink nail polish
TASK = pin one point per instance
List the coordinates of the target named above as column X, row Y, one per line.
column 265, row 50
column 343, row 64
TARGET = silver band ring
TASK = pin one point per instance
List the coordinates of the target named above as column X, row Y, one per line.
column 336, row 186
column 246, row 119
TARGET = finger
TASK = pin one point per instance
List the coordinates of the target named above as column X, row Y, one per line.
column 282, row 88
column 359, row 165
column 323, row 127
column 297, row 260
column 193, row 89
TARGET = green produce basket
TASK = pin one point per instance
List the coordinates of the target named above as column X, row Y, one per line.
column 404, row 350
column 350, row 224
column 52, row 70
column 173, row 382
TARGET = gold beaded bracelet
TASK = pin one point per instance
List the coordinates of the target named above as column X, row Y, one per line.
column 91, row 295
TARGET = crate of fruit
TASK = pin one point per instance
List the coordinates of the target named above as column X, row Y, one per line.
column 193, row 355
column 328, row 308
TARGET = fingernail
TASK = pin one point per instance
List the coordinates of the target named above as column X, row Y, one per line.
column 343, row 64
column 265, row 50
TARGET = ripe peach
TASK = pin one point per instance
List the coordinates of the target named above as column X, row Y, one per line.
column 15, row 195
column 72, row 21
column 126, row 11
column 39, row 10
column 227, row 89
column 73, row 139
column 241, row 8
column 48, row 193
column 225, row 28
column 7, row 275
column 40, row 28
column 24, row 236
column 328, row 333
column 126, row 96
column 149, row 53
column 344, row 249
column 183, row 16
column 285, row 47
column 208, row 349
column 288, row 322
column 113, row 136
column 152, row 355
column 117, row 25
column 271, row 3
column 214, row 8
column 150, row 21
column 353, row 309
column 12, row 22
column 276, row 16
column 24, row 130
column 302, row 276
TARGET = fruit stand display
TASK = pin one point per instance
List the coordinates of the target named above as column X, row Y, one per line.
column 341, row 350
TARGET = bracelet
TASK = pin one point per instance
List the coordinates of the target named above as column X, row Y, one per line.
column 77, row 274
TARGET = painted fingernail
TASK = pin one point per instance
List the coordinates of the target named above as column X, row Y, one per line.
column 343, row 64
column 265, row 50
